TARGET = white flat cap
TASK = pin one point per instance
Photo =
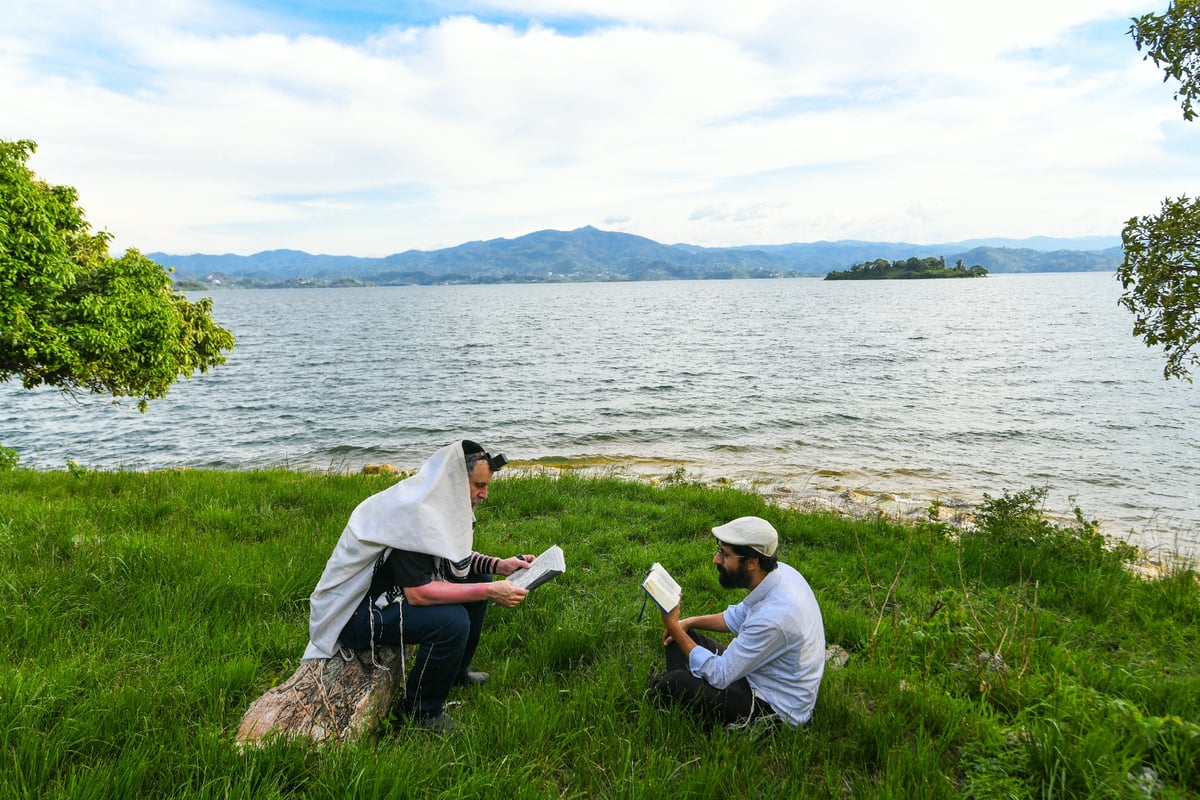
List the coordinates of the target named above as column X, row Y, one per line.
column 754, row 532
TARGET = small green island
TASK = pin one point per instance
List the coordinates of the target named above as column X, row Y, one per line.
column 881, row 269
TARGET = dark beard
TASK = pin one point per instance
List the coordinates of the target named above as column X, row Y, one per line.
column 734, row 579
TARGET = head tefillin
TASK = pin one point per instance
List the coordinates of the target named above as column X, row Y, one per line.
column 474, row 453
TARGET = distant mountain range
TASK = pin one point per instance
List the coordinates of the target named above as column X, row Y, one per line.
column 590, row 254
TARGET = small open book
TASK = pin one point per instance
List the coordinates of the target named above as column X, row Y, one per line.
column 662, row 588
column 546, row 567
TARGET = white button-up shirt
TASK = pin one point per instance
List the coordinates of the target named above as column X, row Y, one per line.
column 779, row 647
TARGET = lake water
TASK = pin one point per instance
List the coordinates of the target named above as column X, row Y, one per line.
column 943, row 389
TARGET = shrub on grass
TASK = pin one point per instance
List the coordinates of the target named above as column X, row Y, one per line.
column 1012, row 540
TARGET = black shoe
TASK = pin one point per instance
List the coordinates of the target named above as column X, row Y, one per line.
column 441, row 724
column 474, row 679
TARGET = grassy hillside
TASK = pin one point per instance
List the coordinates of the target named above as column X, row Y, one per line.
column 142, row 612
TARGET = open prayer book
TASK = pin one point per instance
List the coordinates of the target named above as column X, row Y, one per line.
column 662, row 588
column 546, row 567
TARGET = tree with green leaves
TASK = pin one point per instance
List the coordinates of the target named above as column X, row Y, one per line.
column 77, row 319
column 1172, row 41
column 1161, row 269
column 1161, row 276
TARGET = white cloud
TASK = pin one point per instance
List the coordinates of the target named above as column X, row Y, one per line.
column 204, row 127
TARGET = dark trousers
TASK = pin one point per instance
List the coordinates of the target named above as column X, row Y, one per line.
column 447, row 634
column 733, row 704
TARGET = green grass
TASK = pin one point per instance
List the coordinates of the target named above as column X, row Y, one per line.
column 141, row 613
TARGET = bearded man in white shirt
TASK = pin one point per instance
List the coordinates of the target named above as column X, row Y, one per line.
column 773, row 667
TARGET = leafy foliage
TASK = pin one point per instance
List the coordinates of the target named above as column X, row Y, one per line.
column 882, row 269
column 1161, row 270
column 1161, row 276
column 1172, row 41
column 1011, row 532
column 75, row 318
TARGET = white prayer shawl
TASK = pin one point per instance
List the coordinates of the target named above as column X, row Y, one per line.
column 429, row 513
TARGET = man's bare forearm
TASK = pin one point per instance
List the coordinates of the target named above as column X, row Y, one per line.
column 442, row 592
column 708, row 622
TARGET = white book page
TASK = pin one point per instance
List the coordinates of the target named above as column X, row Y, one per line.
column 547, row 566
column 662, row 587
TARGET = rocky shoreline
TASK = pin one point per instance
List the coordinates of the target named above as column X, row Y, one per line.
column 957, row 513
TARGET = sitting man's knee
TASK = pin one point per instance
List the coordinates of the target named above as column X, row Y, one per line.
column 455, row 625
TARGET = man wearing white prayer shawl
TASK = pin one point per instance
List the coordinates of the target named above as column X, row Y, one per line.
column 404, row 571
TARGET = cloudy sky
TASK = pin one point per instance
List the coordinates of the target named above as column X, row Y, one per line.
column 367, row 127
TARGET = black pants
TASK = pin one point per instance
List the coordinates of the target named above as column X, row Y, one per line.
column 448, row 635
column 735, row 703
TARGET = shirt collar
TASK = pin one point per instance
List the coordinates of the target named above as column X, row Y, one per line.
column 760, row 592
